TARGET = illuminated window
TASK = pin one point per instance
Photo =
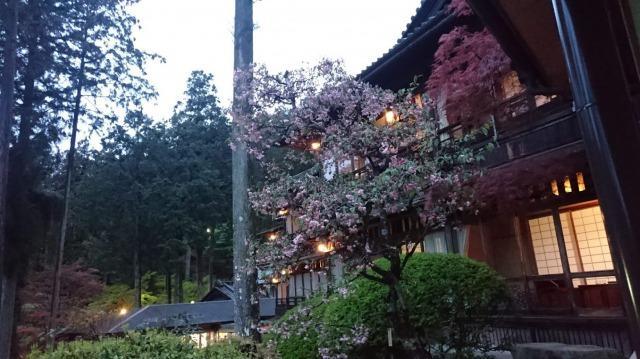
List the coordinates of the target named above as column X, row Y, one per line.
column 585, row 240
column 545, row 245
column 567, row 185
column 581, row 185
column 554, row 188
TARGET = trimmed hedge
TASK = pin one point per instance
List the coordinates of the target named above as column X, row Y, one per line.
column 150, row 345
column 450, row 299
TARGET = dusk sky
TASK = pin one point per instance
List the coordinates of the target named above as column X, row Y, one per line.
column 198, row 35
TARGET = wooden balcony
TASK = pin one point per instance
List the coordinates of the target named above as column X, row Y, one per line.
column 523, row 130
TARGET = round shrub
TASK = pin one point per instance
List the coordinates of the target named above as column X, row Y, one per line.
column 449, row 301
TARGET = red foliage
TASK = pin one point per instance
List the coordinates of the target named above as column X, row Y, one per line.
column 522, row 181
column 459, row 8
column 79, row 286
column 466, row 69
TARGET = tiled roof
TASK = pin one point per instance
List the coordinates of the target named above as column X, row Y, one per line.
column 185, row 315
column 428, row 15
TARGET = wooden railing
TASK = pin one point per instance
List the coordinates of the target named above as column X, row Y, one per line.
column 608, row 332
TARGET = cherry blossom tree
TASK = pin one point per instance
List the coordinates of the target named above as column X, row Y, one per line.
column 323, row 117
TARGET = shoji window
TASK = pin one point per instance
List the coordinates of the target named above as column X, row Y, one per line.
column 585, row 239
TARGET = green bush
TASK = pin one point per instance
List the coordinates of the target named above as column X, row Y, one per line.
column 296, row 334
column 449, row 299
column 150, row 345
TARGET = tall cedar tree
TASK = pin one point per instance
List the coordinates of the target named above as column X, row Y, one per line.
column 173, row 182
column 105, row 62
column 246, row 307
column 7, row 271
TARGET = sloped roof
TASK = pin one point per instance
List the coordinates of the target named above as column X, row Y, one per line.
column 185, row 315
column 416, row 46
column 222, row 291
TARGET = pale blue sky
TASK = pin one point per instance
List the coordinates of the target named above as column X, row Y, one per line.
column 198, row 35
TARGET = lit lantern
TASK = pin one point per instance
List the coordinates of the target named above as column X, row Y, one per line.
column 273, row 236
column 325, row 247
column 275, row 280
column 283, row 271
column 283, row 212
column 209, row 230
column 123, row 311
column 390, row 117
column 315, row 145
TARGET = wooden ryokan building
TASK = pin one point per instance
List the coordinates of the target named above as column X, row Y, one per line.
column 568, row 157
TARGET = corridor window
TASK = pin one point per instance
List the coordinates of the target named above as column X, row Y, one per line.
column 545, row 245
column 585, row 240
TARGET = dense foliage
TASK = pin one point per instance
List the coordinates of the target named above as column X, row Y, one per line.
column 143, row 345
column 467, row 69
column 79, row 286
column 451, row 299
column 410, row 168
column 75, row 59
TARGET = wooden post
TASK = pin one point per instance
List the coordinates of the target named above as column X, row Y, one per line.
column 564, row 259
column 609, row 127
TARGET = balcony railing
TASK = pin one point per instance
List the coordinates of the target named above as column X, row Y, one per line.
column 607, row 332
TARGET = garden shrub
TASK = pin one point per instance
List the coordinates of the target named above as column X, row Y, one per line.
column 450, row 299
column 295, row 334
column 150, row 345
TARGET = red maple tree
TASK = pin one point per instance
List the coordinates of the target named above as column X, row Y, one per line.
column 78, row 287
column 466, row 70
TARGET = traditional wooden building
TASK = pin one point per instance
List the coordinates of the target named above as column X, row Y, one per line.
column 555, row 175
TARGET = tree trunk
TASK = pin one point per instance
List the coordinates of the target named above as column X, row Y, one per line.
column 187, row 263
column 137, row 278
column 211, row 279
column 198, row 271
column 179, row 279
column 7, row 313
column 167, row 284
column 399, row 313
column 243, row 264
column 55, row 298
column 7, row 276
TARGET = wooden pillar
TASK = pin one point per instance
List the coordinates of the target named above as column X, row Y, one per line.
column 603, row 104
column 564, row 259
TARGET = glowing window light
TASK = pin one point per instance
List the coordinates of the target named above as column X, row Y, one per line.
column 554, row 188
column 581, row 184
column 567, row 185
